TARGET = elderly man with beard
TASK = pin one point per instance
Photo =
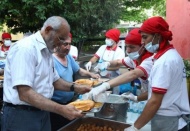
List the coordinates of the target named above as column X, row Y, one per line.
column 30, row 79
column 66, row 67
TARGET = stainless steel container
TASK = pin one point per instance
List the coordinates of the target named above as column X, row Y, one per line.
column 115, row 108
column 74, row 125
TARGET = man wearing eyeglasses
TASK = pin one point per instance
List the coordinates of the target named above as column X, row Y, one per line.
column 66, row 67
column 30, row 79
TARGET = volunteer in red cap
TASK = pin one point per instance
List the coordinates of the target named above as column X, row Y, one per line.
column 136, row 53
column 108, row 52
column 168, row 103
column 6, row 39
column 73, row 49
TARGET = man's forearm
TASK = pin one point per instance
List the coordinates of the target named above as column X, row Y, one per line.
column 28, row 95
column 61, row 84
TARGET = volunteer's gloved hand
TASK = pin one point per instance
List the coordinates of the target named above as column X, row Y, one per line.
column 130, row 96
column 106, row 65
column 96, row 92
column 88, row 65
column 131, row 128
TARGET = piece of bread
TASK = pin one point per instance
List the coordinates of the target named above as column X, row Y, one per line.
column 84, row 82
column 87, row 82
column 1, row 77
column 84, row 105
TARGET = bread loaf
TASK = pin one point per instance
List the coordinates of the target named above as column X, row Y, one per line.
column 84, row 105
column 87, row 82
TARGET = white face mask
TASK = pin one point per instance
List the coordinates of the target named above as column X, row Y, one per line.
column 109, row 42
column 152, row 48
column 7, row 42
column 134, row 55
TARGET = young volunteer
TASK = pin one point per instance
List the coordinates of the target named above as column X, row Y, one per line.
column 167, row 92
column 6, row 43
column 136, row 54
column 73, row 50
column 109, row 52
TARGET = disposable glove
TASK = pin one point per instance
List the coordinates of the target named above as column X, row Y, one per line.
column 88, row 65
column 130, row 96
column 105, row 66
column 99, row 92
column 131, row 128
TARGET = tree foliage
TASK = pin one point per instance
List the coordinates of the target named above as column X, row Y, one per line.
column 86, row 17
column 136, row 10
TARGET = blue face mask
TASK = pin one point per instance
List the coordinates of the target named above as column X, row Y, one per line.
column 152, row 48
column 134, row 55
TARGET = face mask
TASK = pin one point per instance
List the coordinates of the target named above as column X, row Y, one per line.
column 7, row 42
column 134, row 55
column 108, row 42
column 152, row 48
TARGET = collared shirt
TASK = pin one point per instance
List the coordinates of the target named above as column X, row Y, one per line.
column 145, row 66
column 73, row 52
column 30, row 63
column 168, row 77
column 66, row 73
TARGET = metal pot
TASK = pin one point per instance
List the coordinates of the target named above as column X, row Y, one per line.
column 115, row 108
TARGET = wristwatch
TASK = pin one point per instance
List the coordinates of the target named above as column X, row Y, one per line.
column 72, row 87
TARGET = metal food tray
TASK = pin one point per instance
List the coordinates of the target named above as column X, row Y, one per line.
column 74, row 125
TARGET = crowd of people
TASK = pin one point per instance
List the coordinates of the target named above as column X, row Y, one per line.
column 39, row 69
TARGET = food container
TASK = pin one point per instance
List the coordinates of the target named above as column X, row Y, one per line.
column 115, row 108
column 74, row 125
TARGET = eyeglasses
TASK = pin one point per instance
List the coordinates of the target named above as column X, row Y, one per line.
column 63, row 42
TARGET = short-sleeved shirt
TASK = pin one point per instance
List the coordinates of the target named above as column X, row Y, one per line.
column 29, row 63
column 73, row 52
column 66, row 73
column 168, row 77
column 145, row 66
column 107, row 54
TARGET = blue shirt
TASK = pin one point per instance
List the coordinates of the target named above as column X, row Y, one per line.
column 66, row 73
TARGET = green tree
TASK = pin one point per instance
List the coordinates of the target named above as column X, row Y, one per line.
column 86, row 17
column 136, row 10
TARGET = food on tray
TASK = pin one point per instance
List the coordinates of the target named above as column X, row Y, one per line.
column 94, row 127
column 87, row 82
column 97, row 104
column 84, row 105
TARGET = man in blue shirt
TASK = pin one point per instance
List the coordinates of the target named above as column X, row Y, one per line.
column 66, row 67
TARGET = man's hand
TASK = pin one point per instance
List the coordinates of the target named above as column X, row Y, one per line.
column 131, row 128
column 88, row 65
column 130, row 96
column 70, row 112
column 81, row 89
column 95, row 76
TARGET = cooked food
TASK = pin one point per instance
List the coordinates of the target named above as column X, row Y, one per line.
column 84, row 105
column 87, row 82
column 97, row 104
column 94, row 127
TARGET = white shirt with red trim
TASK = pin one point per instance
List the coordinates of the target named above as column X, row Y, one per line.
column 145, row 66
column 73, row 52
column 107, row 54
column 168, row 77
